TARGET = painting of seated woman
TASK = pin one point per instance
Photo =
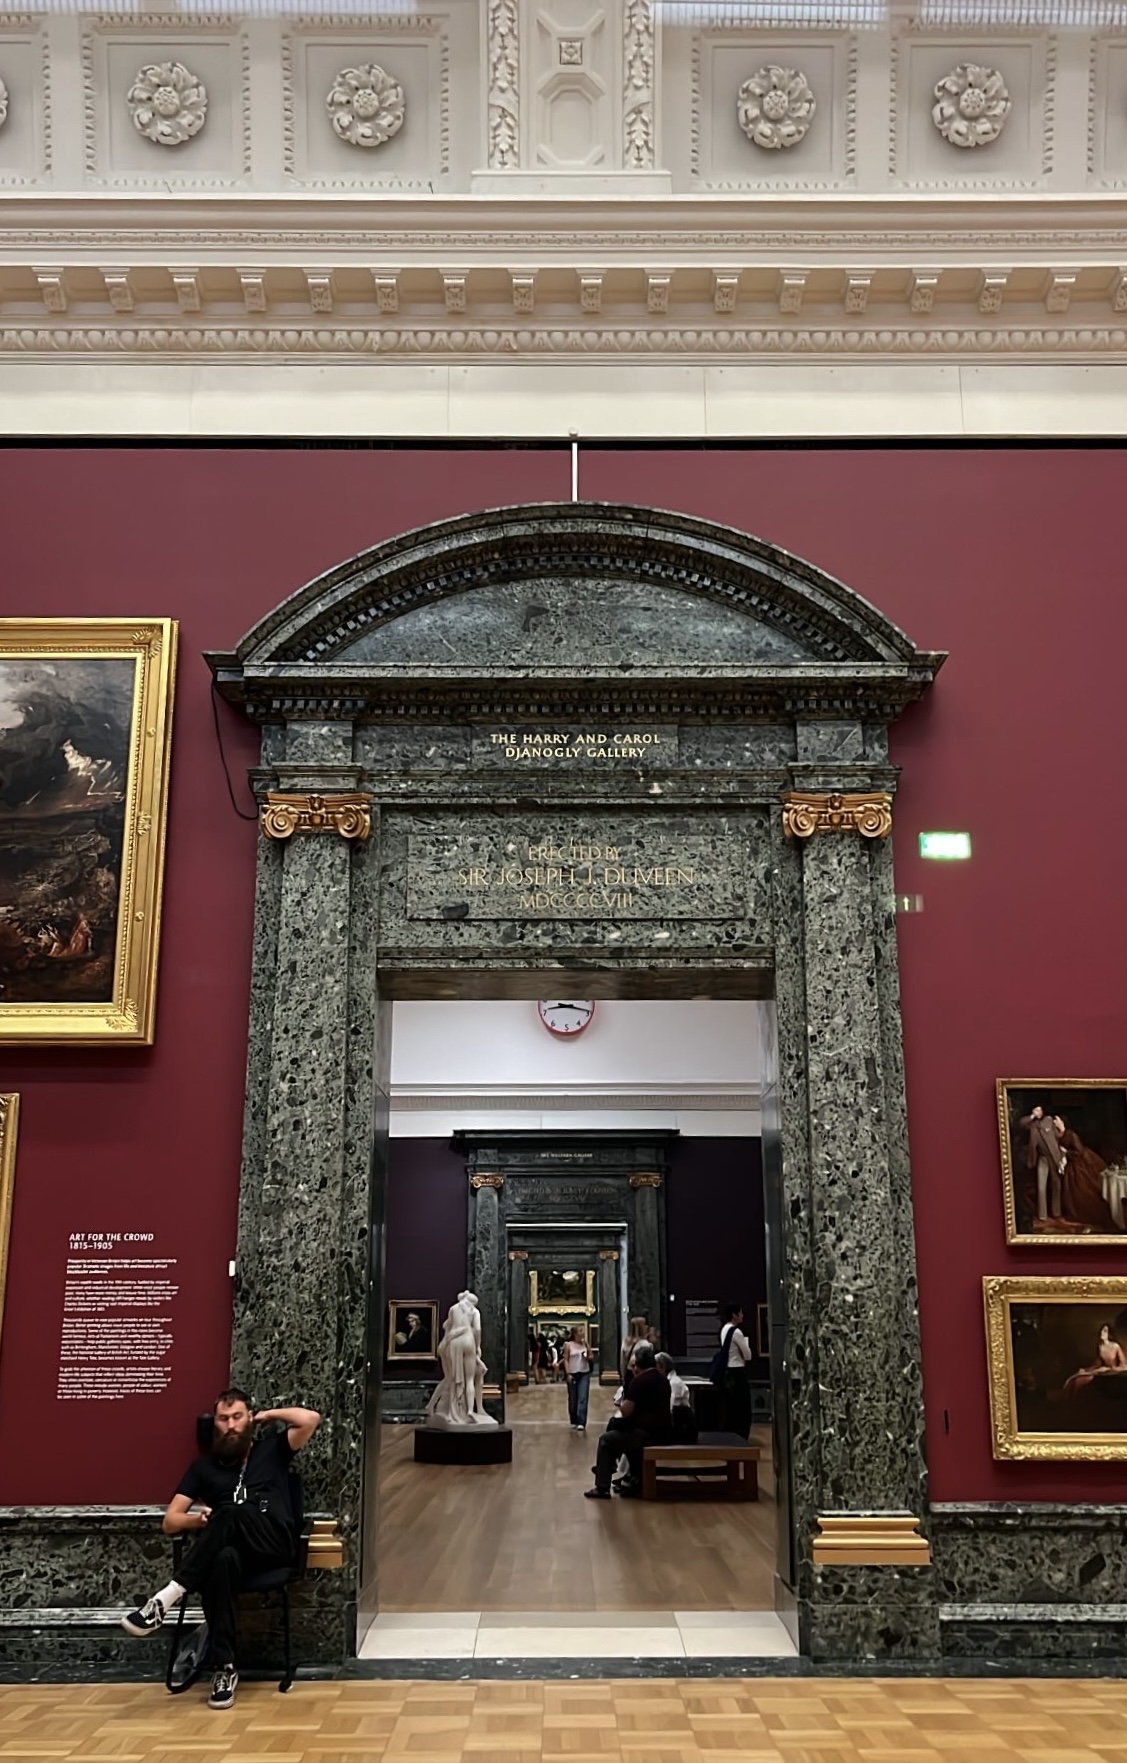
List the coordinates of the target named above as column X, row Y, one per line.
column 1058, row 1366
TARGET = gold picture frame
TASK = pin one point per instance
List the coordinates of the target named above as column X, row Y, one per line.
column 1085, row 1199
column 1056, row 1353
column 548, row 1299
column 9, row 1128
column 412, row 1329
column 85, row 729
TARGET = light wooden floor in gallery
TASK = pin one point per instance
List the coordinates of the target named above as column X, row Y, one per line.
column 521, row 1536
column 821, row 1720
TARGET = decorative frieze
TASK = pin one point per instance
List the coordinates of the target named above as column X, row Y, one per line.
column 366, row 105
column 867, row 813
column 971, row 105
column 503, row 98
column 775, row 107
column 639, row 55
column 347, row 814
column 168, row 103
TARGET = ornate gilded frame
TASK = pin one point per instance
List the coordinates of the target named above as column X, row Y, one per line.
column 128, row 1016
column 555, row 1307
column 9, row 1127
column 999, row 1295
column 1041, row 1239
column 424, row 1306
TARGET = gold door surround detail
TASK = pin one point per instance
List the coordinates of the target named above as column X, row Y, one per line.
column 326, row 1548
column 805, row 814
column 880, row 1539
column 348, row 814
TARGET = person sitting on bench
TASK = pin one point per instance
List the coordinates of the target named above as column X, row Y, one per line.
column 242, row 1522
column 645, row 1421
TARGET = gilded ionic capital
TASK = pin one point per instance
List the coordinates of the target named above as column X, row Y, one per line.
column 645, row 1179
column 487, row 1180
column 348, row 814
column 518, row 1254
column 806, row 813
column 608, row 1254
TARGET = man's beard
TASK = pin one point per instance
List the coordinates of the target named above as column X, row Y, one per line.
column 231, row 1446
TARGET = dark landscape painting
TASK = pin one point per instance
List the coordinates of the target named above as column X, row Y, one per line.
column 64, row 771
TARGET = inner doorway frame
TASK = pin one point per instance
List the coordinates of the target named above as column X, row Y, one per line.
column 781, row 747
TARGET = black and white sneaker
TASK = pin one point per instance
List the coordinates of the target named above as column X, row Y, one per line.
column 223, row 1687
column 146, row 1620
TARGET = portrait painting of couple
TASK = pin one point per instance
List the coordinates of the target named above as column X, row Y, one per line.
column 1064, row 1159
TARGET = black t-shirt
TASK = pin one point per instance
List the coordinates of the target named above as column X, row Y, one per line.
column 209, row 1482
column 649, row 1392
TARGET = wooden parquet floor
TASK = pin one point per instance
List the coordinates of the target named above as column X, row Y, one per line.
column 820, row 1720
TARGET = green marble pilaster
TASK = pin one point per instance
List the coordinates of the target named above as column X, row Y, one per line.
column 854, row 1327
column 489, row 1282
column 303, row 1264
column 518, row 1312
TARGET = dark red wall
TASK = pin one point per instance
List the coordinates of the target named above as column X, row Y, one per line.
column 1009, row 559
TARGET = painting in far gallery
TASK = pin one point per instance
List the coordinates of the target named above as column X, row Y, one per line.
column 1064, row 1159
column 85, row 720
column 1057, row 1354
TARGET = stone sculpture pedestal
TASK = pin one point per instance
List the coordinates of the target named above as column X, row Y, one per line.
column 463, row 1444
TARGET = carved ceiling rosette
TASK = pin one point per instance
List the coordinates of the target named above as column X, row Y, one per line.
column 971, row 105
column 366, row 105
column 775, row 107
column 168, row 103
column 3, row 104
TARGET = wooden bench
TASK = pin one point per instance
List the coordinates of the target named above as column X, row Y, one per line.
column 720, row 1466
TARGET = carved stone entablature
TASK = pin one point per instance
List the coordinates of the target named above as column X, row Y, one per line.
column 868, row 813
column 283, row 815
column 691, row 607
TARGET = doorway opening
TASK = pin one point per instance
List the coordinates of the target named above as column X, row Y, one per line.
column 626, row 1174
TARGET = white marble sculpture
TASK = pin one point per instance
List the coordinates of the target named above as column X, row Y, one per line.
column 459, row 1398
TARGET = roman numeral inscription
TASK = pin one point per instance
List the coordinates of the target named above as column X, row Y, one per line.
column 558, row 875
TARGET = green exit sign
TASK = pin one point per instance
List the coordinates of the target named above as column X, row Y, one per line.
column 945, row 847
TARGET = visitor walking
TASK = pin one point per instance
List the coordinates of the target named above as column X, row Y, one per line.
column 578, row 1357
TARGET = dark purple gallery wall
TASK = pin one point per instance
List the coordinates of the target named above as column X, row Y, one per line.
column 715, row 1236
column 714, row 1226
column 426, row 1227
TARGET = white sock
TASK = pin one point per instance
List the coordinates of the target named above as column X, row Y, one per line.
column 170, row 1595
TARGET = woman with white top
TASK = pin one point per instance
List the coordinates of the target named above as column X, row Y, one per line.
column 736, row 1389
column 577, row 1360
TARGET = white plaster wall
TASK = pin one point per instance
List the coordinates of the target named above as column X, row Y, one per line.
column 691, row 1066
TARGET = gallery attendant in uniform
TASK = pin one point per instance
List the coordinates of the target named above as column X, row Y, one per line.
column 737, row 1389
column 236, row 1501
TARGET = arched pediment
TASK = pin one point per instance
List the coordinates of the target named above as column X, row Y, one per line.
column 578, row 591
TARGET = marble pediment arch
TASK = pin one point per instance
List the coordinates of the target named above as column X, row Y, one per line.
column 568, row 598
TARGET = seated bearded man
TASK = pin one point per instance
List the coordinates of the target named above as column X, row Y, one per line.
column 236, row 1503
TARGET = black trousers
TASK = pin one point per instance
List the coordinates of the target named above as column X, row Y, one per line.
column 238, row 1543
column 737, row 1402
column 623, row 1440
